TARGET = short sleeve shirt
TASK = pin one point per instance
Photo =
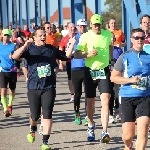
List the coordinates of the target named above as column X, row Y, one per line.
column 89, row 41
column 41, row 64
column 119, row 35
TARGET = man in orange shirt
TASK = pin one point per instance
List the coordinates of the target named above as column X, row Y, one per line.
column 50, row 38
column 119, row 35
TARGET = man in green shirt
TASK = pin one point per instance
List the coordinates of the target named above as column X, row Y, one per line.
column 94, row 46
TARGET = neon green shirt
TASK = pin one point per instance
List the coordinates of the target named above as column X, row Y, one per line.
column 89, row 41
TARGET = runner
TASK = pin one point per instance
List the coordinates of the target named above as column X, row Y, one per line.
column 119, row 35
column 94, row 46
column 65, row 42
column 117, row 51
column 135, row 91
column 119, row 42
column 8, row 72
column 77, row 72
column 145, row 25
column 41, row 81
column 50, row 38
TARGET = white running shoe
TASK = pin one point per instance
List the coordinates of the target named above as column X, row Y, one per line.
column 41, row 130
column 72, row 98
column 111, row 119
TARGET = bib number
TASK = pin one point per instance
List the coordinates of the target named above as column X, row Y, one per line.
column 142, row 85
column 98, row 74
column 44, row 71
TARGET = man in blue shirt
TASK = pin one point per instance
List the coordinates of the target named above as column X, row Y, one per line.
column 8, row 72
column 77, row 71
column 41, row 83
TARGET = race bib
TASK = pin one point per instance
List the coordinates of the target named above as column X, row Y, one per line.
column 142, row 85
column 44, row 71
column 98, row 74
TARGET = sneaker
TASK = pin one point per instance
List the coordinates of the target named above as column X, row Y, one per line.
column 128, row 148
column 86, row 121
column 41, row 130
column 105, row 138
column 91, row 135
column 7, row 114
column 111, row 119
column 45, row 147
column 9, row 108
column 31, row 137
column 72, row 98
column 78, row 119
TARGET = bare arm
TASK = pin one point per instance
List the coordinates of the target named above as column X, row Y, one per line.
column 19, row 51
column 116, row 78
column 61, row 65
column 82, row 54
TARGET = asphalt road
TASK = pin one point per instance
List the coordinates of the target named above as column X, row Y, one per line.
column 66, row 135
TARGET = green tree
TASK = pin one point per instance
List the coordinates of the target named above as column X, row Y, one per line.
column 114, row 10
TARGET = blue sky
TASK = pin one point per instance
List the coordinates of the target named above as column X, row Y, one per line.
column 53, row 7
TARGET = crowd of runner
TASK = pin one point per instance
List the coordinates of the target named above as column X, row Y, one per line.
column 92, row 57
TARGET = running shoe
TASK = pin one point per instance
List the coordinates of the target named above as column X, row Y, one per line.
column 86, row 121
column 129, row 148
column 78, row 119
column 41, row 130
column 7, row 114
column 72, row 98
column 105, row 138
column 31, row 137
column 9, row 108
column 111, row 119
column 45, row 147
column 90, row 133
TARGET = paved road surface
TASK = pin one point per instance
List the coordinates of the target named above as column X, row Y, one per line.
column 66, row 135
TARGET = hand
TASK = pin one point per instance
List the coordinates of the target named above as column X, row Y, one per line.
column 61, row 67
column 27, row 43
column 73, row 40
column 135, row 79
column 56, row 70
column 31, row 39
column 26, row 80
column 92, row 53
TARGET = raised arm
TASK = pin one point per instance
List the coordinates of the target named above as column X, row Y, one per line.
column 19, row 51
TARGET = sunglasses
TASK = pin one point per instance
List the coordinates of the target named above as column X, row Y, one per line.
column 138, row 37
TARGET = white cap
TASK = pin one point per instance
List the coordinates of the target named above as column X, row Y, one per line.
column 81, row 22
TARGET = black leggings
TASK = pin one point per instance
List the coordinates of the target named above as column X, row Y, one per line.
column 77, row 77
column 114, row 98
column 41, row 98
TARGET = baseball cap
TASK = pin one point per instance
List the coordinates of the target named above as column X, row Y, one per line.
column 81, row 22
column 6, row 31
column 96, row 18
